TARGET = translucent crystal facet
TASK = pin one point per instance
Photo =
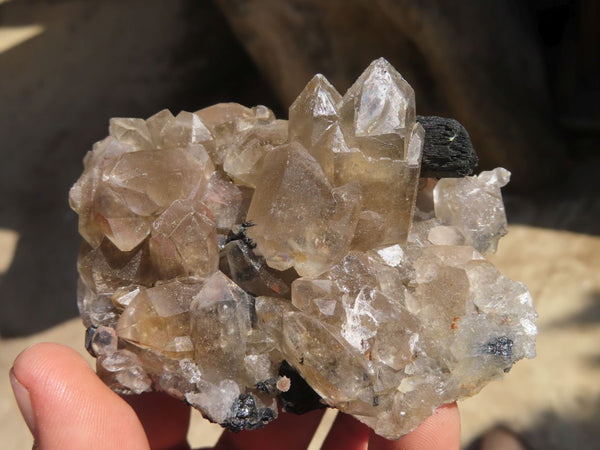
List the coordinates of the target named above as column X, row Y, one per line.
column 378, row 111
column 231, row 259
column 474, row 205
column 388, row 189
column 183, row 240
column 314, row 111
column 220, row 321
column 301, row 220
column 243, row 159
column 159, row 318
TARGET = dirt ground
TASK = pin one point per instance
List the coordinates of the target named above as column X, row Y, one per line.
column 67, row 66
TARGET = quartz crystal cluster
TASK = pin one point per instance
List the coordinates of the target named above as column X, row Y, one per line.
column 230, row 258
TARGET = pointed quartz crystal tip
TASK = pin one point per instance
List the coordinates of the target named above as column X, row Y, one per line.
column 184, row 129
column 314, row 111
column 131, row 131
column 225, row 250
column 156, row 124
column 121, row 200
column 314, row 123
column 378, row 111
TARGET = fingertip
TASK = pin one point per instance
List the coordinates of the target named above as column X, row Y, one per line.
column 32, row 362
column 71, row 407
column 440, row 431
column 23, row 401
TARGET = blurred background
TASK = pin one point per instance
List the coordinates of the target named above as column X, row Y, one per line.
column 523, row 76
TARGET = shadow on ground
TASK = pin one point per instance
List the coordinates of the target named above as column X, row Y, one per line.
column 550, row 431
column 587, row 317
column 553, row 432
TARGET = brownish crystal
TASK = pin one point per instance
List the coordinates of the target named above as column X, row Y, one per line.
column 301, row 220
column 230, row 258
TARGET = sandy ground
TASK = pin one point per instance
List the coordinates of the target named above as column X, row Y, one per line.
column 553, row 400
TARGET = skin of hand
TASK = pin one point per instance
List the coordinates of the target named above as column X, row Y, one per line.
column 65, row 405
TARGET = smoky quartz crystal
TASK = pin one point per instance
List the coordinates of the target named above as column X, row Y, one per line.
column 230, row 258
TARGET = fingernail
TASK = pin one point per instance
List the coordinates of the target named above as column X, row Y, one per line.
column 23, row 400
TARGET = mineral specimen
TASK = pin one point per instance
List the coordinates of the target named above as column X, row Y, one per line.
column 231, row 258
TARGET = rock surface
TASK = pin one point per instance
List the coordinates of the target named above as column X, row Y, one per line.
column 220, row 248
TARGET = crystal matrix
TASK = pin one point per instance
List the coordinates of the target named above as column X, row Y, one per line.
column 231, row 258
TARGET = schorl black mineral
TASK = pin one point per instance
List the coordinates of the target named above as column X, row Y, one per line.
column 300, row 398
column 500, row 346
column 247, row 416
column 447, row 150
column 252, row 311
column 268, row 386
column 238, row 232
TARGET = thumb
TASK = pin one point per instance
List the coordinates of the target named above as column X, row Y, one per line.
column 66, row 405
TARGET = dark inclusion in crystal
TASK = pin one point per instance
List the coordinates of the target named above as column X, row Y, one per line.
column 239, row 233
column 245, row 415
column 247, row 269
column 268, row 386
column 500, row 346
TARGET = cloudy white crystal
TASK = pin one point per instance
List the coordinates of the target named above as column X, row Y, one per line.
column 474, row 205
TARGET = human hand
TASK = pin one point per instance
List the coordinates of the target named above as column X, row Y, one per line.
column 67, row 406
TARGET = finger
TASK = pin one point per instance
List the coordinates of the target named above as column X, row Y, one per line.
column 441, row 431
column 165, row 419
column 67, row 406
column 347, row 433
column 288, row 431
